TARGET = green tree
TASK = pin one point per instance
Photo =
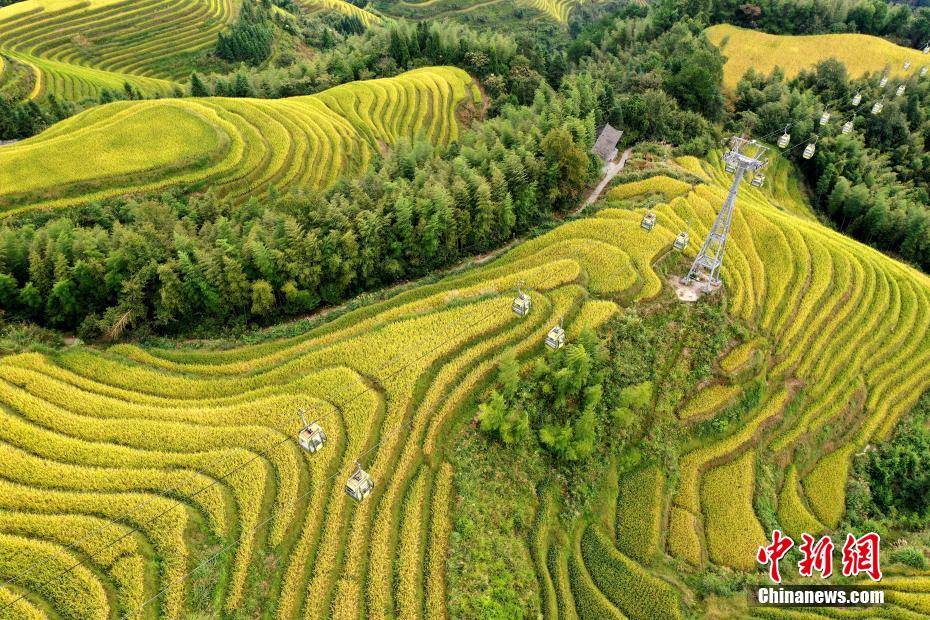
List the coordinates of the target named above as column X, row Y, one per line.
column 262, row 299
column 899, row 476
column 31, row 299
column 198, row 88
column 566, row 168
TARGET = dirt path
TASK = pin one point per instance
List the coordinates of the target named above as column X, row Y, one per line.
column 610, row 171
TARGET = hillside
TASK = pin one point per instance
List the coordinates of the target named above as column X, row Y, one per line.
column 341, row 6
column 180, row 440
column 763, row 52
column 240, row 147
column 556, row 10
column 75, row 49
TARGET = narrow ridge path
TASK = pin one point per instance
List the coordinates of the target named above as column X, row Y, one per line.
column 610, row 169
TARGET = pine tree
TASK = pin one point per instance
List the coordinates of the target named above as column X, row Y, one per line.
column 198, row 89
column 242, row 87
column 237, row 285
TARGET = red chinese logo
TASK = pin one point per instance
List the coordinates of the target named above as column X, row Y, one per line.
column 772, row 554
column 816, row 556
column 860, row 555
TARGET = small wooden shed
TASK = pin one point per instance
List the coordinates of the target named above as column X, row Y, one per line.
column 605, row 142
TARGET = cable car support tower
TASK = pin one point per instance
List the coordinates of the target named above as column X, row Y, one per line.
column 745, row 156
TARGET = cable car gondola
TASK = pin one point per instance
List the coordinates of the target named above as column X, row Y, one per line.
column 784, row 139
column 359, row 484
column 649, row 221
column 522, row 304
column 311, row 437
column 555, row 339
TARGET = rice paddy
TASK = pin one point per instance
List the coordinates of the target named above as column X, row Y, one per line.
column 555, row 10
column 763, row 52
column 239, row 147
column 75, row 49
column 189, row 451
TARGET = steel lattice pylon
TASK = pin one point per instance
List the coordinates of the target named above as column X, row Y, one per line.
column 706, row 266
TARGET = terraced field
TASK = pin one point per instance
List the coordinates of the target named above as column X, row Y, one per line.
column 557, row 10
column 342, row 6
column 117, row 457
column 240, row 147
column 845, row 334
column 859, row 52
column 74, row 49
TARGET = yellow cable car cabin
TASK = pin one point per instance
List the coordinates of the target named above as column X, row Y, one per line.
column 857, row 98
column 555, row 339
column 649, row 221
column 522, row 304
column 757, row 180
column 359, row 484
column 681, row 241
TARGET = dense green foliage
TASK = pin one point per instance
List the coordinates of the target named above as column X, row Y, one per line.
column 251, row 36
column 896, row 476
column 492, row 573
column 560, row 400
column 877, row 17
column 512, row 70
column 873, row 182
column 601, row 395
column 173, row 262
column 660, row 85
